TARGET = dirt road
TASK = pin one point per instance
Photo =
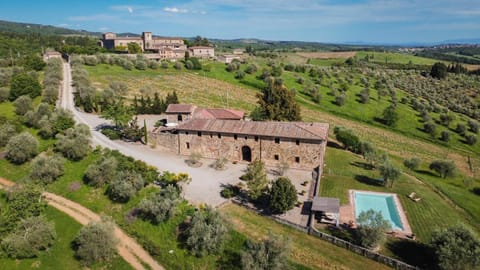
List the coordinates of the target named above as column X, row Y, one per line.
column 127, row 247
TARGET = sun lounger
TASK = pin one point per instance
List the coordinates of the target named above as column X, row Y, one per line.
column 412, row 195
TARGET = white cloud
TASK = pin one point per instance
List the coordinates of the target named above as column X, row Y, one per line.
column 130, row 9
column 64, row 25
column 175, row 10
column 103, row 28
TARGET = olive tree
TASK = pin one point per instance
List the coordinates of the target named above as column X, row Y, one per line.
column 389, row 173
column 161, row 206
column 46, row 169
column 125, row 185
column 7, row 131
column 206, row 233
column 31, row 236
column 21, row 148
column 270, row 253
column 456, row 248
column 23, row 104
column 95, row 242
column 371, row 227
column 101, row 172
column 74, row 144
column 445, row 168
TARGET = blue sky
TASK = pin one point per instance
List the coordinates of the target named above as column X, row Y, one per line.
column 386, row 21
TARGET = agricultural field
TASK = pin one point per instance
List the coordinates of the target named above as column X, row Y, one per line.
column 405, row 140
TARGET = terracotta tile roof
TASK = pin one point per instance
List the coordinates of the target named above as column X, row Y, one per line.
column 200, row 47
column 180, row 108
column 226, row 114
column 295, row 130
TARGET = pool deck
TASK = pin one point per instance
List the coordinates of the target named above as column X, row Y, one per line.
column 347, row 213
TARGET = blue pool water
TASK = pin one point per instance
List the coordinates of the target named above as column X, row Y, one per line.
column 378, row 202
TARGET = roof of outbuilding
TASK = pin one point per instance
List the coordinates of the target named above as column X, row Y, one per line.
column 294, row 130
column 218, row 114
column 180, row 108
column 324, row 204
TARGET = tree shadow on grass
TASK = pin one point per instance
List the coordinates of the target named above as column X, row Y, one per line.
column 362, row 165
column 334, row 145
column 369, row 181
column 414, row 253
column 476, row 191
column 426, row 172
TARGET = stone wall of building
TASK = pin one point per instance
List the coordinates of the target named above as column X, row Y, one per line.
column 213, row 145
column 167, row 140
column 300, row 154
column 173, row 117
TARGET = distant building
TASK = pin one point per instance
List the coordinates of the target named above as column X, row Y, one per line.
column 50, row 55
column 202, row 52
column 238, row 51
column 159, row 47
column 228, row 58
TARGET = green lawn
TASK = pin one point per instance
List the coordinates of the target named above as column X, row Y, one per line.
column 305, row 249
column 344, row 171
column 398, row 58
column 61, row 255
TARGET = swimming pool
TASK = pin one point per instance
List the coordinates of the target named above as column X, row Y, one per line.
column 383, row 202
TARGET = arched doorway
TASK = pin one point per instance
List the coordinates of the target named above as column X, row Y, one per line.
column 246, row 153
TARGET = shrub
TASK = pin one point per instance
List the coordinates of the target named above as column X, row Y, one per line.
column 239, row 75
column 340, row 99
column 75, row 143
column 443, row 167
column 7, row 131
column 349, row 140
column 219, row 163
column 445, row 136
column 412, row 163
column 194, row 159
column 140, row 65
column 256, row 178
column 101, row 172
column 390, row 116
column 471, row 139
column 430, row 128
column 178, row 66
column 474, row 126
column 283, row 195
column 439, row 70
column 23, row 104
column 90, row 60
column 32, row 235
column 270, row 253
column 112, row 134
column 250, row 69
column 164, row 64
column 124, row 186
column 4, row 94
column 21, row 148
column 461, row 129
column 161, row 206
column 371, row 227
column 206, row 233
column 95, row 243
column 46, row 169
column 456, row 248
column 24, row 84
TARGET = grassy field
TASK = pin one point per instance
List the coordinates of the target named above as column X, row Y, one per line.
column 393, row 57
column 345, row 171
column 61, row 254
column 305, row 249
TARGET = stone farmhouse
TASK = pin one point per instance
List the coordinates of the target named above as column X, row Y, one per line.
column 202, row 52
column 299, row 144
